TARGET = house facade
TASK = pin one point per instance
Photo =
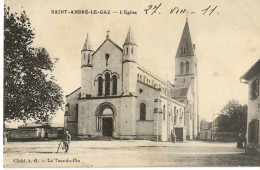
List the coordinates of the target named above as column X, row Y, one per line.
column 251, row 77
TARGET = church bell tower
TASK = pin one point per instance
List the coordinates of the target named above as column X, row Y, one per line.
column 86, row 69
column 129, row 64
column 186, row 72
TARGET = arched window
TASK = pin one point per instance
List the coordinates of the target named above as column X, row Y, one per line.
column 182, row 67
column 187, row 67
column 107, row 84
column 114, row 79
column 126, row 50
column 142, row 111
column 140, row 78
column 100, row 86
column 184, row 49
column 88, row 58
column 163, row 112
column 107, row 57
column 132, row 50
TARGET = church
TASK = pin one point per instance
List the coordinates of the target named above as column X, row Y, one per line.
column 119, row 98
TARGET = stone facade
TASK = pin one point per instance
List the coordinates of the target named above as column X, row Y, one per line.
column 121, row 99
column 252, row 77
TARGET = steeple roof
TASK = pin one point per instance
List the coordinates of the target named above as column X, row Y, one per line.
column 185, row 46
column 87, row 45
column 130, row 37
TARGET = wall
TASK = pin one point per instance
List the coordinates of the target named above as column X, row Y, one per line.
column 168, row 123
column 52, row 133
column 218, row 136
column 146, row 94
column 150, row 79
column 191, row 79
column 188, row 119
column 225, row 136
column 114, row 66
column 87, row 115
column 206, row 135
column 128, row 118
column 34, row 134
column 18, row 134
column 129, row 78
column 71, row 116
column 253, row 113
column 144, row 129
column 165, row 129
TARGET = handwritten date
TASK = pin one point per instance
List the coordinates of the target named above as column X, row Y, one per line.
column 155, row 9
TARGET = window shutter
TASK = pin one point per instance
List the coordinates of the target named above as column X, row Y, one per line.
column 257, row 88
column 250, row 93
column 250, row 132
column 253, row 131
column 256, row 131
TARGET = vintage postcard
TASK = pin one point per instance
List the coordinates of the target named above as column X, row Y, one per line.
column 107, row 83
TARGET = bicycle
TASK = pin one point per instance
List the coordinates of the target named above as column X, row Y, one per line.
column 60, row 145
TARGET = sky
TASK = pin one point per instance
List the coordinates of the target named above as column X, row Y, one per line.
column 227, row 41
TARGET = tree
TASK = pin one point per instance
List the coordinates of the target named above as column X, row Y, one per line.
column 30, row 89
column 233, row 118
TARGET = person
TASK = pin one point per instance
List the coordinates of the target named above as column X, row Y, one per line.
column 244, row 141
column 66, row 141
column 240, row 141
column 173, row 137
column 46, row 134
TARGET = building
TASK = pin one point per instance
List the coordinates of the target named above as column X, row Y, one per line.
column 120, row 98
column 186, row 82
column 205, row 130
column 251, row 77
column 210, row 131
column 32, row 131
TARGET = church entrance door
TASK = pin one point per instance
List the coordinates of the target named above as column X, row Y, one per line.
column 107, row 128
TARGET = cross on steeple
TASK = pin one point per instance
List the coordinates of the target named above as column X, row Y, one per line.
column 108, row 33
